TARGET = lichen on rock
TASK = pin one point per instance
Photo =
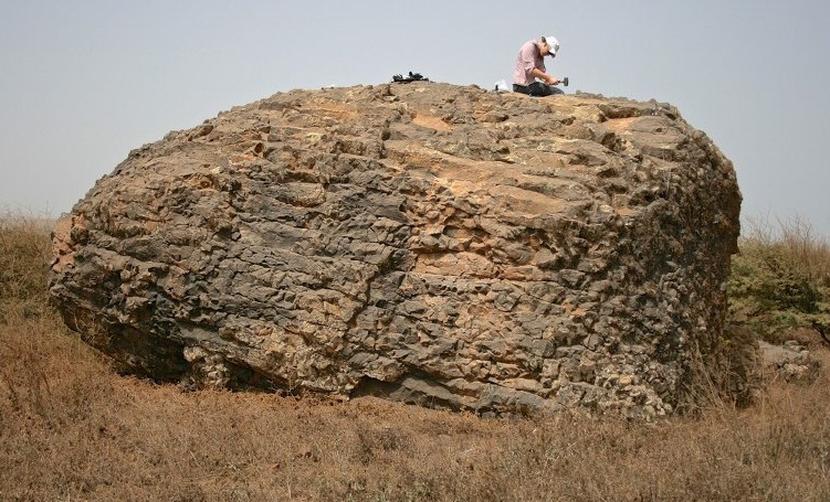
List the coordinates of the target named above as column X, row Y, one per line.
column 424, row 242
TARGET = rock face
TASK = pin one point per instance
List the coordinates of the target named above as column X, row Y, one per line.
column 423, row 242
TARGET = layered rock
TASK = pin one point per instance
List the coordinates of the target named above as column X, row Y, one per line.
column 424, row 242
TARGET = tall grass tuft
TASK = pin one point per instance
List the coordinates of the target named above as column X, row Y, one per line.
column 25, row 250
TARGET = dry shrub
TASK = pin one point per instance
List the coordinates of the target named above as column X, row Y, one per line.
column 24, row 253
column 70, row 428
column 780, row 282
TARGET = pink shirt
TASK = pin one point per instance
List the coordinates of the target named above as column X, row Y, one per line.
column 528, row 59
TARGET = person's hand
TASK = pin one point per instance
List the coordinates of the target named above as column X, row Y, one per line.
column 551, row 80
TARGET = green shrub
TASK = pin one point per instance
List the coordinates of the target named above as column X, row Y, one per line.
column 781, row 282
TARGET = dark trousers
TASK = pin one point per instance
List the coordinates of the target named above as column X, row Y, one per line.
column 537, row 89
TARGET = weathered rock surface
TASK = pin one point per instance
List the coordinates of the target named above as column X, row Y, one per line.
column 423, row 242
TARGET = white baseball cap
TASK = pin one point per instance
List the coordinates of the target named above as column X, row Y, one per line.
column 553, row 42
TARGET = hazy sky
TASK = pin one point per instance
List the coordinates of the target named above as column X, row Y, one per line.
column 82, row 83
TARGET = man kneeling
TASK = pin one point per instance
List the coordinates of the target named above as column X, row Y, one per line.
column 530, row 66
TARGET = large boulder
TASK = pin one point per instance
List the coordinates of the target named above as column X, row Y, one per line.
column 423, row 242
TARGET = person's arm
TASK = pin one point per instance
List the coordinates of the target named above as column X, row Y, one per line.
column 548, row 79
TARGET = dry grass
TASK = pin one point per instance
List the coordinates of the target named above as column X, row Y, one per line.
column 796, row 239
column 70, row 429
column 24, row 255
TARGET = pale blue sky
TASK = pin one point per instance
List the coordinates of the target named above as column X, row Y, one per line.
column 82, row 83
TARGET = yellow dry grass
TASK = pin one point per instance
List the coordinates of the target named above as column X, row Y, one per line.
column 72, row 429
